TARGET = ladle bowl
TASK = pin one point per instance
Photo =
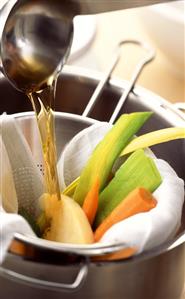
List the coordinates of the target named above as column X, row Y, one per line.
column 36, row 41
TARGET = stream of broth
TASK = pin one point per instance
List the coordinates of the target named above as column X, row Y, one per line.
column 43, row 105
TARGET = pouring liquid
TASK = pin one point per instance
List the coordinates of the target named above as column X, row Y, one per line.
column 43, row 105
column 62, row 219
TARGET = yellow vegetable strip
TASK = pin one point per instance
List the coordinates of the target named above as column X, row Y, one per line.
column 69, row 190
column 154, row 138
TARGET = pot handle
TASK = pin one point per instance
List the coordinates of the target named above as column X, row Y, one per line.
column 44, row 284
column 150, row 55
column 180, row 106
column 177, row 108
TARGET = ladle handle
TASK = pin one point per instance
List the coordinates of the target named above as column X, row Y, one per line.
column 44, row 284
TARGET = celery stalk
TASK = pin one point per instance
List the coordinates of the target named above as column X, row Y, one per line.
column 139, row 170
column 102, row 159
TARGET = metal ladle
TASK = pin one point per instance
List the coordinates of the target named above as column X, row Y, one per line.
column 35, row 42
column 37, row 36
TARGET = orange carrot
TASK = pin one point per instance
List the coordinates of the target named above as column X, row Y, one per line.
column 120, row 255
column 137, row 201
column 90, row 204
column 17, row 247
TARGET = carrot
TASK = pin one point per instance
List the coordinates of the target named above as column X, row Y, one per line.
column 90, row 204
column 17, row 247
column 137, row 201
column 120, row 255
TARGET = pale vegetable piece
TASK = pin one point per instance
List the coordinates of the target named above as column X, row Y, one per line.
column 7, row 186
column 154, row 138
column 68, row 222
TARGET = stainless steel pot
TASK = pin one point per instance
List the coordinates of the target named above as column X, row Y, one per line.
column 48, row 270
